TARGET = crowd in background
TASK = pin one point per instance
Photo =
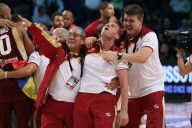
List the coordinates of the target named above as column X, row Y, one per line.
column 160, row 16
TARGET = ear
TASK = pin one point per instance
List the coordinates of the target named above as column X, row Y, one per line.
column 4, row 15
column 101, row 11
column 116, row 36
column 141, row 20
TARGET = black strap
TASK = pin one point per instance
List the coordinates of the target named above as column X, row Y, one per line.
column 66, row 49
column 126, row 47
column 82, row 53
column 126, row 41
column 82, row 59
column 69, row 60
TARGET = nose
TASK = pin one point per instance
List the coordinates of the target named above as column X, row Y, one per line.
column 125, row 22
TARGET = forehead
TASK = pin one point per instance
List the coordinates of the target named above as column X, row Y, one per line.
column 67, row 14
column 58, row 17
column 75, row 30
column 130, row 16
column 109, row 6
column 113, row 24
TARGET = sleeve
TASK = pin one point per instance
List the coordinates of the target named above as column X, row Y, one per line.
column 150, row 40
column 48, row 46
column 35, row 58
column 121, row 65
column 90, row 31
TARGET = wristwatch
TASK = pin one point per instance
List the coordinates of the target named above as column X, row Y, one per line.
column 119, row 55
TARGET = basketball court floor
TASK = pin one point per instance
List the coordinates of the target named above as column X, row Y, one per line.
column 177, row 115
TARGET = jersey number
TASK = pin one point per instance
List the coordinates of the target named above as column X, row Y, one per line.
column 7, row 43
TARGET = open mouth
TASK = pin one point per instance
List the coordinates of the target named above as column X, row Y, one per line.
column 106, row 28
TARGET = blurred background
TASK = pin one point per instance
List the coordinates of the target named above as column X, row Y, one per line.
column 160, row 15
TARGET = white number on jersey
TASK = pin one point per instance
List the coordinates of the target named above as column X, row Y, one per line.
column 7, row 43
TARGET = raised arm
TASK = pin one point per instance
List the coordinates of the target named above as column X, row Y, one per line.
column 28, row 44
column 47, row 45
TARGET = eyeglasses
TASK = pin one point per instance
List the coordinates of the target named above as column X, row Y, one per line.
column 75, row 35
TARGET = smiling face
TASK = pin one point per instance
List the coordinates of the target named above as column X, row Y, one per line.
column 132, row 24
column 133, row 19
column 58, row 21
column 76, row 39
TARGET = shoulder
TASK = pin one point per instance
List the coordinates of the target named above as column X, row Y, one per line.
column 93, row 24
column 34, row 54
column 147, row 31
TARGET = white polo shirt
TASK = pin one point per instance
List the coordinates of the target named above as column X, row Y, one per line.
column 41, row 61
column 148, row 77
column 58, row 88
column 97, row 73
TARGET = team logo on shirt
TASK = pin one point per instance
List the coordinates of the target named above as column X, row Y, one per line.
column 156, row 106
column 108, row 114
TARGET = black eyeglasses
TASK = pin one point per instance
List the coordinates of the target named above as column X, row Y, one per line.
column 75, row 35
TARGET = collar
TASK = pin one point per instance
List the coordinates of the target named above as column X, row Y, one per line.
column 74, row 54
column 112, row 48
column 135, row 39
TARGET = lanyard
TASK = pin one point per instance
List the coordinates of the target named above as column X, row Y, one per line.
column 82, row 58
column 126, row 47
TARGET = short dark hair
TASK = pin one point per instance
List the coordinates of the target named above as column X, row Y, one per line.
column 104, row 5
column 134, row 9
column 55, row 14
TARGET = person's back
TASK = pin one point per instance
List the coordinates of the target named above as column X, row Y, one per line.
column 12, row 51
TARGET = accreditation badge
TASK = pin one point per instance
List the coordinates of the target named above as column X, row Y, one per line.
column 72, row 82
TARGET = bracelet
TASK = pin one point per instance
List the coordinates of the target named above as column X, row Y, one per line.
column 6, row 75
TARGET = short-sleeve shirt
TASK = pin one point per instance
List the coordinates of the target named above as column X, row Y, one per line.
column 97, row 72
column 148, row 77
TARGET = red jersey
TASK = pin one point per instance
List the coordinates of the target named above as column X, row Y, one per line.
column 9, row 53
column 91, row 29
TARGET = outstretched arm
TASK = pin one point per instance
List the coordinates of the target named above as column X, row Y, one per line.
column 22, row 72
column 141, row 57
column 47, row 45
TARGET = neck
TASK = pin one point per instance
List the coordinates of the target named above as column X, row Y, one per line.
column 74, row 51
column 104, row 20
column 106, row 43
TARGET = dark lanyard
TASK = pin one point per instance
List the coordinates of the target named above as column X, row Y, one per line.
column 126, row 44
column 126, row 47
column 69, row 60
column 82, row 59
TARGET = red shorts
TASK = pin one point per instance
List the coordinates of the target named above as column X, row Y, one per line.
column 57, row 114
column 152, row 105
column 94, row 110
